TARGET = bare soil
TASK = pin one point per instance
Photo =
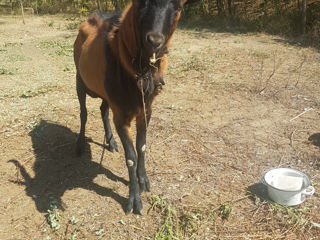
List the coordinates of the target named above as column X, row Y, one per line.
column 231, row 110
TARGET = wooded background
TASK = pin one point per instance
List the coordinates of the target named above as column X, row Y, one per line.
column 289, row 17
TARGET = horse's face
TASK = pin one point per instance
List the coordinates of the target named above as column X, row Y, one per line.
column 157, row 21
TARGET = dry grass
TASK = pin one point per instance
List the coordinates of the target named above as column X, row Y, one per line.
column 222, row 120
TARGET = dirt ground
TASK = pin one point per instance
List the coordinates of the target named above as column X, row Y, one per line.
column 233, row 107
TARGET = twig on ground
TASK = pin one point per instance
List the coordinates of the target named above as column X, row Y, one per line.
column 66, row 232
column 300, row 67
column 270, row 76
column 299, row 115
column 166, row 139
column 136, row 227
column 291, row 138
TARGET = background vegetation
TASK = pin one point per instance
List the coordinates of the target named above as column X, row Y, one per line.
column 273, row 16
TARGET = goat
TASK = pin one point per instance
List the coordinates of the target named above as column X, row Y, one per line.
column 122, row 60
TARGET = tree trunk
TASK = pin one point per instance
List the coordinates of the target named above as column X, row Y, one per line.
column 230, row 8
column 220, row 7
column 22, row 12
column 304, row 16
column 116, row 5
column 99, row 5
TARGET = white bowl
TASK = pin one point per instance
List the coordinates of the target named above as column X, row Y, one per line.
column 287, row 186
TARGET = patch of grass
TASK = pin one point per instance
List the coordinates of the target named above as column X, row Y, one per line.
column 291, row 215
column 100, row 232
column 157, row 201
column 12, row 44
column 67, row 69
column 225, row 211
column 179, row 223
column 53, row 215
column 30, row 94
column 4, row 71
column 51, row 23
column 62, row 48
column 18, row 58
column 32, row 124
column 190, row 221
column 170, row 229
column 260, row 54
column 72, row 26
column 195, row 64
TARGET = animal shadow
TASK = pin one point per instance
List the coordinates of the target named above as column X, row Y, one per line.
column 58, row 169
column 260, row 190
column 315, row 139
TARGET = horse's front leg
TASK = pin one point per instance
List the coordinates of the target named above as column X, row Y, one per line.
column 141, row 148
column 122, row 124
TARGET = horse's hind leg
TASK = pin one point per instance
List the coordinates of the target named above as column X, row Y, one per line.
column 112, row 145
column 81, row 92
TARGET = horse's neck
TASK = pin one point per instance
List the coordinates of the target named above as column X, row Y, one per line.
column 125, row 42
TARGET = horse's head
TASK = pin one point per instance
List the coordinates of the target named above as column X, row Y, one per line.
column 157, row 20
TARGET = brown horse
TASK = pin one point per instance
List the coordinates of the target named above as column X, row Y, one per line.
column 121, row 60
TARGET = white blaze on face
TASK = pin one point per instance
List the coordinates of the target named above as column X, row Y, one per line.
column 130, row 163
column 143, row 149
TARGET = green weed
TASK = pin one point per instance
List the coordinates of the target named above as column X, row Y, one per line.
column 260, row 54
column 189, row 221
column 4, row 71
column 72, row 26
column 225, row 211
column 170, row 229
column 30, row 94
column 292, row 215
column 99, row 232
column 195, row 64
column 32, row 124
column 51, row 23
column 157, row 201
column 18, row 58
column 10, row 44
column 53, row 215
column 62, row 48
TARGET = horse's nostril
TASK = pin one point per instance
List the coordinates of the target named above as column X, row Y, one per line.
column 155, row 39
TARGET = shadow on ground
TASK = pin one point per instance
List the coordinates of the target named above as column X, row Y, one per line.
column 57, row 168
column 241, row 26
column 260, row 190
column 315, row 139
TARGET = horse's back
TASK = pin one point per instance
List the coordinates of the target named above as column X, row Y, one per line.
column 89, row 54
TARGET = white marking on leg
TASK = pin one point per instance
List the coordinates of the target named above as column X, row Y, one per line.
column 130, row 163
column 143, row 148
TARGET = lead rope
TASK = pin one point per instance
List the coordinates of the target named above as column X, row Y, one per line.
column 143, row 103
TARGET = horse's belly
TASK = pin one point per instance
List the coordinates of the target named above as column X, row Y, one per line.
column 92, row 65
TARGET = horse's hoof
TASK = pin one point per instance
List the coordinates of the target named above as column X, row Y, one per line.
column 112, row 145
column 144, row 184
column 134, row 205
